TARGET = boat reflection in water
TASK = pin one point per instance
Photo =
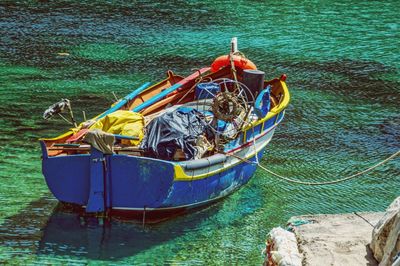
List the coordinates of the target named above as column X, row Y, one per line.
column 69, row 233
column 169, row 148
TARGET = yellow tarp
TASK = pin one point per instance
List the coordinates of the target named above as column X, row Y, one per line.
column 125, row 123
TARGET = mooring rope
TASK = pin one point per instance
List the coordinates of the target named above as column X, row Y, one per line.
column 391, row 157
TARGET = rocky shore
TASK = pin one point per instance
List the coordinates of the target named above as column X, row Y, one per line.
column 368, row 238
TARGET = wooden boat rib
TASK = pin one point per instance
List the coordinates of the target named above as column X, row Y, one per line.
column 130, row 183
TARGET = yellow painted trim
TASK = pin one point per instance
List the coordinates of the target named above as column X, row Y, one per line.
column 276, row 110
column 180, row 174
column 64, row 135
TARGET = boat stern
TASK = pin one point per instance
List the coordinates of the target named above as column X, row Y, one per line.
column 100, row 182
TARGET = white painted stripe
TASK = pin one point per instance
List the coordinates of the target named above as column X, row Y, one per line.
column 177, row 207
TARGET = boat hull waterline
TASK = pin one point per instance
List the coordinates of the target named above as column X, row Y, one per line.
column 130, row 181
column 136, row 186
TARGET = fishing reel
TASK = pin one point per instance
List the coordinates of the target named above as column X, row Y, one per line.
column 225, row 106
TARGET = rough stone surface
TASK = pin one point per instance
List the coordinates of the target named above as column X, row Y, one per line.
column 341, row 239
column 283, row 248
column 385, row 242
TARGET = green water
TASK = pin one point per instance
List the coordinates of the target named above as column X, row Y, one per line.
column 342, row 61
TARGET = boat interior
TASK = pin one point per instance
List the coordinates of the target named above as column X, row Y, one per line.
column 73, row 143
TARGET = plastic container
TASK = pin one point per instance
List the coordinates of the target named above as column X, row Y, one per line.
column 207, row 90
column 254, row 80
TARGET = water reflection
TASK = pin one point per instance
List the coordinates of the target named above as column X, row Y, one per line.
column 46, row 227
column 23, row 230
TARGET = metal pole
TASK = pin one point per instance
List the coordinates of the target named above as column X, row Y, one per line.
column 71, row 114
column 144, row 216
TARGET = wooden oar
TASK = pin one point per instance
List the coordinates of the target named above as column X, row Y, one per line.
column 67, row 145
column 114, row 108
column 77, row 145
column 77, row 135
column 117, row 136
column 171, row 89
column 88, row 147
column 124, row 100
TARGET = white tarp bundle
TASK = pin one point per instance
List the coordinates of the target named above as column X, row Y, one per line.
column 283, row 250
column 385, row 242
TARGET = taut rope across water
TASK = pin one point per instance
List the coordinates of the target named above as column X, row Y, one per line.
column 391, row 157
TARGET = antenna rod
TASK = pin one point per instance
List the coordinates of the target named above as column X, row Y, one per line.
column 234, row 45
column 71, row 114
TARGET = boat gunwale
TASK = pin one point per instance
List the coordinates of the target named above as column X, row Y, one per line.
column 273, row 112
column 179, row 172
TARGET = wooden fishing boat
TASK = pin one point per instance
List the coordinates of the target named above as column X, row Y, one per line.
column 132, row 182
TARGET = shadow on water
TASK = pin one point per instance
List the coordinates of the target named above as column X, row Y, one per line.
column 24, row 230
column 46, row 227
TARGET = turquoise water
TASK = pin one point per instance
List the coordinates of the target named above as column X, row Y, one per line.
column 342, row 62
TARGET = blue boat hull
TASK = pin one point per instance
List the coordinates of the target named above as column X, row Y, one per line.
column 135, row 183
column 135, row 187
column 145, row 187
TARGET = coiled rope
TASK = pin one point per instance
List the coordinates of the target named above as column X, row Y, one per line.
column 391, row 157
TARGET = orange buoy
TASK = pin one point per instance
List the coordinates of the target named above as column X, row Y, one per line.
column 238, row 61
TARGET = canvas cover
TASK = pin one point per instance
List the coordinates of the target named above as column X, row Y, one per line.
column 100, row 140
column 121, row 122
column 173, row 130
